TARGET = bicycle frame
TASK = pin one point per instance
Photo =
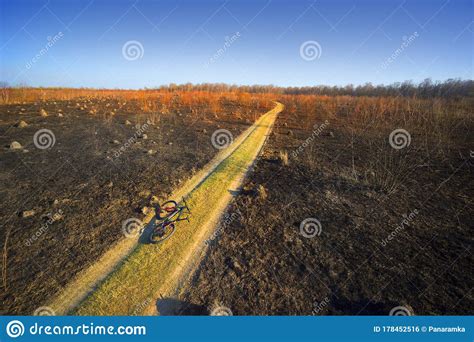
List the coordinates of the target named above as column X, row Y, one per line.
column 179, row 210
column 162, row 223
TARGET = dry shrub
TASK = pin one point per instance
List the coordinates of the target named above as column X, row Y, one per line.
column 262, row 193
column 283, row 157
column 364, row 125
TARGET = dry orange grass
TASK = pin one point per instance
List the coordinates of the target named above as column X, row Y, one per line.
column 155, row 103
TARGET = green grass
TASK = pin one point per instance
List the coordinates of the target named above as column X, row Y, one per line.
column 151, row 270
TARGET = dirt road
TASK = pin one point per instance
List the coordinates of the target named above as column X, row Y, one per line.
column 130, row 278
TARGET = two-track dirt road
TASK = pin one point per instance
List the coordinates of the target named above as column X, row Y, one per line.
column 130, row 277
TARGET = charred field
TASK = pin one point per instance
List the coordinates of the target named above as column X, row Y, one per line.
column 105, row 157
column 341, row 217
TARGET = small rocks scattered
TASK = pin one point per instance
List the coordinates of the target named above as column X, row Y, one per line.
column 332, row 196
column 116, row 142
column 27, row 213
column 146, row 210
column 21, row 124
column 144, row 136
column 15, row 145
column 60, row 115
column 151, row 152
column 43, row 113
column 127, row 122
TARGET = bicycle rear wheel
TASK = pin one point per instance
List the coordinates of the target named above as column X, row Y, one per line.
column 166, row 209
column 162, row 232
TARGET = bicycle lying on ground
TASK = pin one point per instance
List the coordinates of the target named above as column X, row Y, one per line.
column 166, row 215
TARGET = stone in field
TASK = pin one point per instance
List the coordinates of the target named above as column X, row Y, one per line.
column 27, row 213
column 21, row 124
column 15, row 145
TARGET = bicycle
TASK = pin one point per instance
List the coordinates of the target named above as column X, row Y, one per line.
column 166, row 215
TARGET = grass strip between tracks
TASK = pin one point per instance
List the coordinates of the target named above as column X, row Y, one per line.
column 153, row 270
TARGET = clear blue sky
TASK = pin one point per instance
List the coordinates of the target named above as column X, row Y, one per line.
column 185, row 41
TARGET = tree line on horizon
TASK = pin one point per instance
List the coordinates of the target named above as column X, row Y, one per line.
column 425, row 89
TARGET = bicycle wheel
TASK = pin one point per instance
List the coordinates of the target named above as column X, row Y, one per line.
column 166, row 209
column 162, row 232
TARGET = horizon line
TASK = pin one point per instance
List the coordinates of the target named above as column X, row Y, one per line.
column 4, row 84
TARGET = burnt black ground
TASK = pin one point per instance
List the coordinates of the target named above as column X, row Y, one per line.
column 262, row 265
column 83, row 179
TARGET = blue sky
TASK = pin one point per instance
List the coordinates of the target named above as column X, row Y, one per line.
column 235, row 42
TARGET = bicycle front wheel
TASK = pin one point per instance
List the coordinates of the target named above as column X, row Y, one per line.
column 162, row 232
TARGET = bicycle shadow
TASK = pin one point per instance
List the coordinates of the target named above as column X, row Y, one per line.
column 176, row 307
column 144, row 237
